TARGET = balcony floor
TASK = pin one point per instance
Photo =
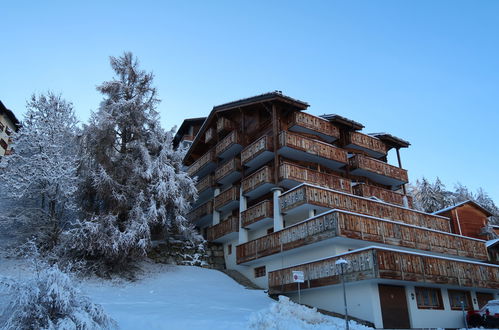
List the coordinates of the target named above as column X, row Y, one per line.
column 231, row 152
column 260, row 223
column 229, row 178
column 206, row 169
column 203, row 197
column 299, row 155
column 301, row 129
column 385, row 180
column 232, row 205
column 259, row 191
column 204, row 220
column 226, row 238
column 259, row 160
column 370, row 152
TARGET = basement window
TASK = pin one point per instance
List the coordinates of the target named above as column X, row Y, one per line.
column 260, row 271
column 429, row 298
column 455, row 298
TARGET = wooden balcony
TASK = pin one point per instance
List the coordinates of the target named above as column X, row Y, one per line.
column 206, row 187
column 229, row 172
column 229, row 146
column 201, row 214
column 327, row 198
column 224, row 125
column 203, row 165
column 294, row 146
column 387, row 264
column 291, row 175
column 386, row 195
column 227, row 200
column 209, row 135
column 257, row 215
column 377, row 170
column 360, row 227
column 306, row 123
column 258, row 153
column 374, row 147
column 258, row 183
column 224, row 231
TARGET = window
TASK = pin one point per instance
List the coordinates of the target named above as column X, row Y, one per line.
column 260, row 271
column 429, row 298
column 229, row 249
column 455, row 298
column 270, row 230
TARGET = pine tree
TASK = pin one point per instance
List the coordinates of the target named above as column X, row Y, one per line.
column 133, row 181
column 41, row 176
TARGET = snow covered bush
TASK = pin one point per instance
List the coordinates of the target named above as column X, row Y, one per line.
column 50, row 300
column 287, row 315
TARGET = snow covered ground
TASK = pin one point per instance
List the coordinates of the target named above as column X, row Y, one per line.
column 184, row 297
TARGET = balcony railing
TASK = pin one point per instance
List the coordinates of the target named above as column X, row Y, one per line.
column 229, row 172
column 300, row 174
column 224, row 125
column 227, row 199
column 298, row 147
column 229, row 145
column 256, row 150
column 206, row 183
column 223, row 229
column 257, row 212
column 387, row 264
column 327, row 198
column 377, row 170
column 356, row 226
column 304, row 122
column 258, row 181
column 373, row 146
column 386, row 195
column 201, row 211
column 203, row 162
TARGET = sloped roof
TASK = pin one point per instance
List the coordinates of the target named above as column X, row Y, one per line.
column 185, row 125
column 478, row 206
column 337, row 119
column 391, row 140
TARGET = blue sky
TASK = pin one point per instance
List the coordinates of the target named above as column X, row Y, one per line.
column 427, row 71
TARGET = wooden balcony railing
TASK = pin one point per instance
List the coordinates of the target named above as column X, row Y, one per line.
column 229, row 195
column 205, row 183
column 231, row 166
column 209, row 134
column 378, row 167
column 224, row 125
column 380, row 263
column 200, row 211
column 356, row 226
column 262, row 176
column 201, row 161
column 315, row 124
column 256, row 213
column 324, row 197
column 289, row 171
column 368, row 142
column 228, row 226
column 313, row 147
column 231, row 139
column 386, row 195
column 256, row 148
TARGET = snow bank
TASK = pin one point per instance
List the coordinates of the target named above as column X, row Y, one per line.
column 287, row 315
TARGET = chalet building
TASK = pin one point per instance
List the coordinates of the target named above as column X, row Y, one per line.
column 8, row 125
column 283, row 190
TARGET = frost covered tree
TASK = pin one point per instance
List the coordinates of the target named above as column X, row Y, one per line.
column 132, row 177
column 41, row 178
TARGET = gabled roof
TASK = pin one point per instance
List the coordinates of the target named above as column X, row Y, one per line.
column 185, row 125
column 9, row 114
column 476, row 205
column 337, row 119
column 391, row 140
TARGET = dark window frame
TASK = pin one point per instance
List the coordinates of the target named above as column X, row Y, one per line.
column 433, row 296
column 453, row 293
column 260, row 271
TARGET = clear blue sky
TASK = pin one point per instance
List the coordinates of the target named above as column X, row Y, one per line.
column 427, row 71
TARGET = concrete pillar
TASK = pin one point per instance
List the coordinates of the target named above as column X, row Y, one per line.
column 216, row 214
column 311, row 213
column 405, row 200
column 278, row 219
column 243, row 205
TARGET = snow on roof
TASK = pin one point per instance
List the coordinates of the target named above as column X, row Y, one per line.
column 334, row 118
column 391, row 140
column 469, row 201
column 492, row 242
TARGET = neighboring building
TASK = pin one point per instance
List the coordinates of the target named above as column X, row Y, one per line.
column 283, row 190
column 8, row 125
column 187, row 132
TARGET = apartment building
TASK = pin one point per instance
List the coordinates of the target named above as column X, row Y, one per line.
column 8, row 125
column 284, row 191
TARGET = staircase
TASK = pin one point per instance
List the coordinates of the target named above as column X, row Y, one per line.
column 241, row 279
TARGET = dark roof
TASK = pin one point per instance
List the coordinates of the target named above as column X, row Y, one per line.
column 9, row 114
column 337, row 119
column 185, row 125
column 478, row 206
column 272, row 96
column 391, row 140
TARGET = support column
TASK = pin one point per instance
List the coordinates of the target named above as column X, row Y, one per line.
column 243, row 205
column 312, row 213
column 278, row 220
column 216, row 214
column 400, row 166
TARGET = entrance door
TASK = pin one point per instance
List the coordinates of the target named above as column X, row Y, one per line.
column 482, row 298
column 394, row 307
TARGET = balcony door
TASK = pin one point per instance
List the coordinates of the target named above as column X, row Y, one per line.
column 394, row 309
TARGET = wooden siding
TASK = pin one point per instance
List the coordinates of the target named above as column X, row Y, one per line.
column 200, row 211
column 205, row 183
column 467, row 220
column 302, row 174
column 367, row 142
column 386, row 195
column 228, row 167
column 355, row 226
column 227, row 226
column 224, row 125
column 209, row 134
column 387, row 264
column 314, row 123
column 378, row 167
column 257, row 212
column 226, row 196
column 231, row 139
column 201, row 161
column 256, row 148
column 335, row 200
column 313, row 147
column 263, row 175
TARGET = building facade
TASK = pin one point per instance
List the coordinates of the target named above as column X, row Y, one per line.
column 283, row 190
column 8, row 125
